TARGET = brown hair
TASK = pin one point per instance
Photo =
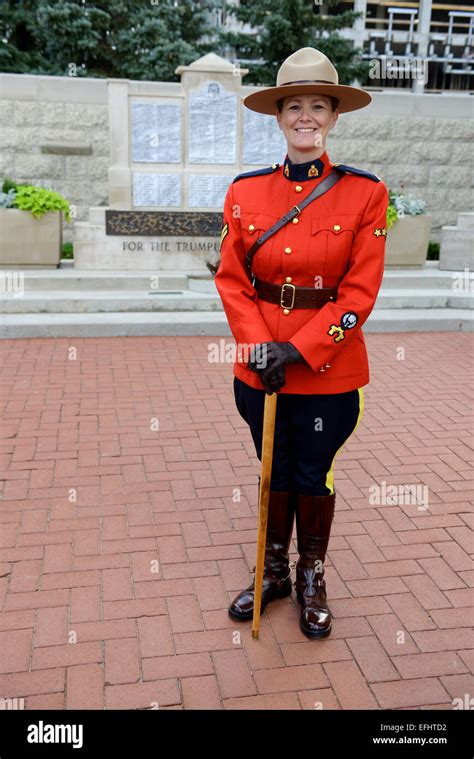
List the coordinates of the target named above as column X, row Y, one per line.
column 334, row 103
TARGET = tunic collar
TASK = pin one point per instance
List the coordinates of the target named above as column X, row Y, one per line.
column 300, row 172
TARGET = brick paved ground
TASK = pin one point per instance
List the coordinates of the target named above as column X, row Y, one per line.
column 93, row 495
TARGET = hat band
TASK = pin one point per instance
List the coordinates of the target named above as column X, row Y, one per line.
column 308, row 81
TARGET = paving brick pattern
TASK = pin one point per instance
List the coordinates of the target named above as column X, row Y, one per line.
column 128, row 523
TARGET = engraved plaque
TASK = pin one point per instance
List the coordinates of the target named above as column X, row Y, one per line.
column 263, row 140
column 156, row 132
column 156, row 189
column 212, row 125
column 207, row 190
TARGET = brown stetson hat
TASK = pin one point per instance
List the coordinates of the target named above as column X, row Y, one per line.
column 307, row 72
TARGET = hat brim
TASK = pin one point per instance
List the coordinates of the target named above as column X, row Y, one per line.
column 350, row 98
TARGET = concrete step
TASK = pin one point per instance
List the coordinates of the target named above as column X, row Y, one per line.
column 110, row 301
column 46, row 280
column 423, row 298
column 68, row 278
column 431, row 277
column 466, row 220
column 209, row 323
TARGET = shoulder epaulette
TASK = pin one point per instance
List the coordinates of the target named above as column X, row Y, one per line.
column 257, row 172
column 359, row 172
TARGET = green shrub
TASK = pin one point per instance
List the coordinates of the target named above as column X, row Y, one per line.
column 39, row 201
column 392, row 216
column 433, row 251
column 67, row 251
column 8, row 185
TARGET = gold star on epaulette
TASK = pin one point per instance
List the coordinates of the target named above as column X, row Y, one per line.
column 377, row 232
column 384, row 231
column 313, row 172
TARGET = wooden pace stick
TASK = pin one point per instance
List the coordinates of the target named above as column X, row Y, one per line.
column 269, row 415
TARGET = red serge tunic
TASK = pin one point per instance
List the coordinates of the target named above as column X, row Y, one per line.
column 338, row 240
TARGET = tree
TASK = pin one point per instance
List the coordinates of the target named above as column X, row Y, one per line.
column 283, row 26
column 98, row 38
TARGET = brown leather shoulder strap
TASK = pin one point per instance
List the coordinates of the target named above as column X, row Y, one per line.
column 334, row 176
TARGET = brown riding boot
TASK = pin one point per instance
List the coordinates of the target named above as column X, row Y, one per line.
column 314, row 516
column 277, row 572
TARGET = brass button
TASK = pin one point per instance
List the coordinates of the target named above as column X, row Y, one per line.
column 274, row 165
column 251, row 227
column 298, row 188
column 288, row 279
column 336, row 227
column 288, row 251
column 295, row 220
column 286, row 311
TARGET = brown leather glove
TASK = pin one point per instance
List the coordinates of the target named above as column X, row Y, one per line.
column 269, row 361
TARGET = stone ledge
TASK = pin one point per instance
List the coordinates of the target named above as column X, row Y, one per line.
column 67, row 148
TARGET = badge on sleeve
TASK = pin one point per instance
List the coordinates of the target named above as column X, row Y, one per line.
column 380, row 232
column 224, row 232
column 348, row 321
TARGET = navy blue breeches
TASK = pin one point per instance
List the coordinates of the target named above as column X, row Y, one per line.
column 309, row 432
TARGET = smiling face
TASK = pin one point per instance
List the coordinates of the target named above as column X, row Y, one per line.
column 306, row 121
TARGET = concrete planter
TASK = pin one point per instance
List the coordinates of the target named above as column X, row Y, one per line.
column 26, row 241
column 457, row 244
column 407, row 242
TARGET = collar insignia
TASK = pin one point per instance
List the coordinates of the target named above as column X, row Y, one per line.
column 299, row 172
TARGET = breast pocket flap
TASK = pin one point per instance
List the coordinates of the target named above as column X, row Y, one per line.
column 334, row 224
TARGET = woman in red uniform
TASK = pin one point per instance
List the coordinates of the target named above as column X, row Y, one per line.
column 297, row 317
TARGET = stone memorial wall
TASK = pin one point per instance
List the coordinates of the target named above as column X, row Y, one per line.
column 147, row 164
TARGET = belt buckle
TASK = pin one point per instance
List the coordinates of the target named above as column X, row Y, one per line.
column 282, row 295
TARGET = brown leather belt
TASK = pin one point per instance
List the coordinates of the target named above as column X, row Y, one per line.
column 289, row 296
